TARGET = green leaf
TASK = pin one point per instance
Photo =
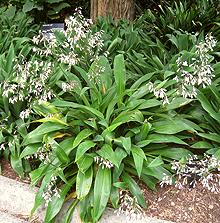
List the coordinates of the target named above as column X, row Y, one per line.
column 102, row 189
column 83, row 183
column 84, row 134
column 28, row 6
column 56, row 204
column 60, row 153
column 138, row 156
column 126, row 143
column 161, row 138
column 172, row 153
column 211, row 136
column 84, row 163
column 134, row 189
column 37, row 135
column 208, row 107
column 144, row 130
column 129, row 116
column 106, row 75
column 10, row 58
column 202, row 145
column 51, row 119
column 30, row 150
column 107, row 153
column 16, row 164
column 120, row 154
column 171, row 126
column 82, row 148
column 120, row 76
column 177, row 103
column 156, row 162
column 61, row 103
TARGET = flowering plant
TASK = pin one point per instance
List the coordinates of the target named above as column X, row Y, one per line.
column 95, row 140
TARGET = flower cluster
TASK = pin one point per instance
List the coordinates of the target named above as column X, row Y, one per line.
column 159, row 93
column 2, row 146
column 130, row 207
column 66, row 87
column 103, row 162
column 43, row 154
column 51, row 190
column 29, row 84
column 197, row 71
column 75, row 44
column 95, row 73
column 196, row 170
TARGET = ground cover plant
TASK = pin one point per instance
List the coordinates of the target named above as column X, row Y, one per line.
column 15, row 35
column 97, row 107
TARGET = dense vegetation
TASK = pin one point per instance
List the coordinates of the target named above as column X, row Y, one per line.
column 89, row 110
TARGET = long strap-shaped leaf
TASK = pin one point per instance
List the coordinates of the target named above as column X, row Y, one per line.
column 95, row 112
column 102, row 190
column 120, row 76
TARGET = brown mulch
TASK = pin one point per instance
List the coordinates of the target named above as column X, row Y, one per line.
column 168, row 203
column 7, row 171
column 185, row 206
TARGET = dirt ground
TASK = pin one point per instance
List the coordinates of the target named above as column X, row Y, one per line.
column 196, row 205
column 10, row 173
column 169, row 203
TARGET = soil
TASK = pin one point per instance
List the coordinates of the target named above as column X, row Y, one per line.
column 7, row 171
column 196, row 205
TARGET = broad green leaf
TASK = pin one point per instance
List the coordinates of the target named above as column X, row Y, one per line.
column 28, row 6
column 177, row 103
column 202, row 145
column 149, row 181
column 83, row 183
column 211, row 136
column 157, row 172
column 106, row 75
column 102, row 189
column 120, row 76
column 37, row 135
column 60, row 153
column 10, row 59
column 126, row 143
column 84, row 163
column 51, row 119
column 107, row 153
column 67, row 104
column 208, row 107
column 172, row 153
column 138, row 156
column 129, row 116
column 156, row 162
column 120, row 154
column 82, row 148
column 144, row 130
column 16, row 164
column 171, row 126
column 38, row 197
column 56, row 204
column 84, row 134
column 149, row 104
column 30, row 150
column 161, row 138
column 134, row 189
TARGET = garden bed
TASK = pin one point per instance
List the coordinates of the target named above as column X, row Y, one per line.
column 196, row 205
column 8, row 171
